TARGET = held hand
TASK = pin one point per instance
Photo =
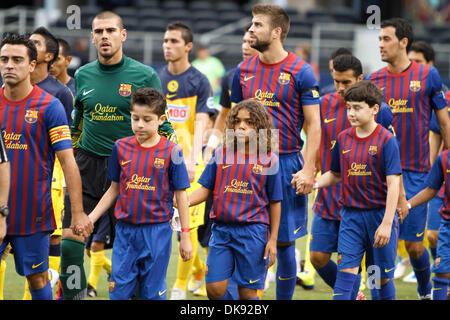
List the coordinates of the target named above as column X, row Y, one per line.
column 207, row 154
column 191, row 168
column 81, row 225
column 382, row 235
column 271, row 251
column 304, row 181
column 402, row 209
column 2, row 229
column 186, row 248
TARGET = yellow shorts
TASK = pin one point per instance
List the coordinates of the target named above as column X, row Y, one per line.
column 196, row 213
column 58, row 197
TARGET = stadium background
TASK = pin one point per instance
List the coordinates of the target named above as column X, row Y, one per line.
column 322, row 24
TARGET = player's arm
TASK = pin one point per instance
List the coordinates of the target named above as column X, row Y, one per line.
column 183, row 210
column 423, row 196
column 271, row 247
column 198, row 196
column 435, row 145
column 327, row 179
column 311, row 150
column 444, row 125
column 106, row 202
column 5, row 172
column 402, row 203
column 80, row 221
column 383, row 232
column 216, row 134
column 201, row 123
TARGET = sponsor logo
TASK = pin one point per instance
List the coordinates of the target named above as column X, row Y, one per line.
column 224, row 167
column 329, row 120
column 358, row 170
column 399, row 106
column 238, row 186
column 162, row 292
column 418, row 235
column 168, row 96
column 87, row 92
column 296, row 230
column 125, row 162
column 346, row 151
column 34, row 266
column 253, row 281
column 248, row 78
column 280, row 278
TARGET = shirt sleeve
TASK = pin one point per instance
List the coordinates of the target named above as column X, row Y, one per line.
column 437, row 95
column 273, row 186
column 208, row 177
column 225, row 100
column 205, row 100
column 113, row 172
column 386, row 118
column 178, row 176
column 435, row 177
column 67, row 100
column 434, row 125
column 307, row 86
column 336, row 157
column 392, row 157
column 236, row 88
column 58, row 129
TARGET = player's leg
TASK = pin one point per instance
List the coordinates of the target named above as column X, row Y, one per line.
column 412, row 230
column 351, row 248
column 293, row 225
column 441, row 266
column 433, row 222
column 219, row 264
column 5, row 247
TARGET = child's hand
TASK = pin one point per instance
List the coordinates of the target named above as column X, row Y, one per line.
column 271, row 251
column 382, row 235
column 402, row 209
column 185, row 246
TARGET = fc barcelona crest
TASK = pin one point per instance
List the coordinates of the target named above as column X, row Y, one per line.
column 373, row 150
column 284, row 78
column 257, row 169
column 31, row 116
column 414, row 86
column 158, row 163
column 125, row 89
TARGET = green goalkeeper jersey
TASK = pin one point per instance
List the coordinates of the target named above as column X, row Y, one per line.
column 102, row 104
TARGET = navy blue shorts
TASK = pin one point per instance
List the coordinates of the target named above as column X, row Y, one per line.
column 324, row 234
column 434, row 217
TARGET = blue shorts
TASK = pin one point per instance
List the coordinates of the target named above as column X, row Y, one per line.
column 413, row 227
column 294, row 208
column 324, row 234
column 238, row 250
column 356, row 237
column 434, row 217
column 30, row 252
column 442, row 262
column 140, row 255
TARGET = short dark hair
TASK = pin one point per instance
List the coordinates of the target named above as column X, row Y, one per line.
column 186, row 32
column 364, row 91
column 345, row 62
column 340, row 51
column 109, row 15
column 425, row 48
column 149, row 97
column 403, row 29
column 64, row 45
column 51, row 44
column 278, row 17
column 16, row 39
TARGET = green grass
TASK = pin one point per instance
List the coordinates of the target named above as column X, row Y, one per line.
column 14, row 284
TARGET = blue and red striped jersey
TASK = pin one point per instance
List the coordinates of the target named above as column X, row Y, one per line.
column 242, row 185
column 147, row 179
column 364, row 164
column 33, row 130
column 284, row 88
column 333, row 112
column 439, row 175
column 412, row 95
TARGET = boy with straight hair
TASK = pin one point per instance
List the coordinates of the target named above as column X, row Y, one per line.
column 366, row 159
column 145, row 170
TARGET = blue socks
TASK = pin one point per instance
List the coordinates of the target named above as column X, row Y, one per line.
column 422, row 271
column 328, row 273
column 387, row 291
column 44, row 293
column 344, row 285
column 286, row 272
column 440, row 288
column 356, row 285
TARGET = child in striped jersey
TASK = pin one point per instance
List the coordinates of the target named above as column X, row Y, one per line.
column 366, row 159
column 145, row 170
column 245, row 183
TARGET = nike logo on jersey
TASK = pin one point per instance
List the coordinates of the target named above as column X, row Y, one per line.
column 34, row 266
column 337, row 294
column 448, row 170
column 248, row 78
column 168, row 96
column 346, row 151
column 125, row 162
column 224, row 167
column 329, row 120
column 388, row 270
column 87, row 92
column 253, row 281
